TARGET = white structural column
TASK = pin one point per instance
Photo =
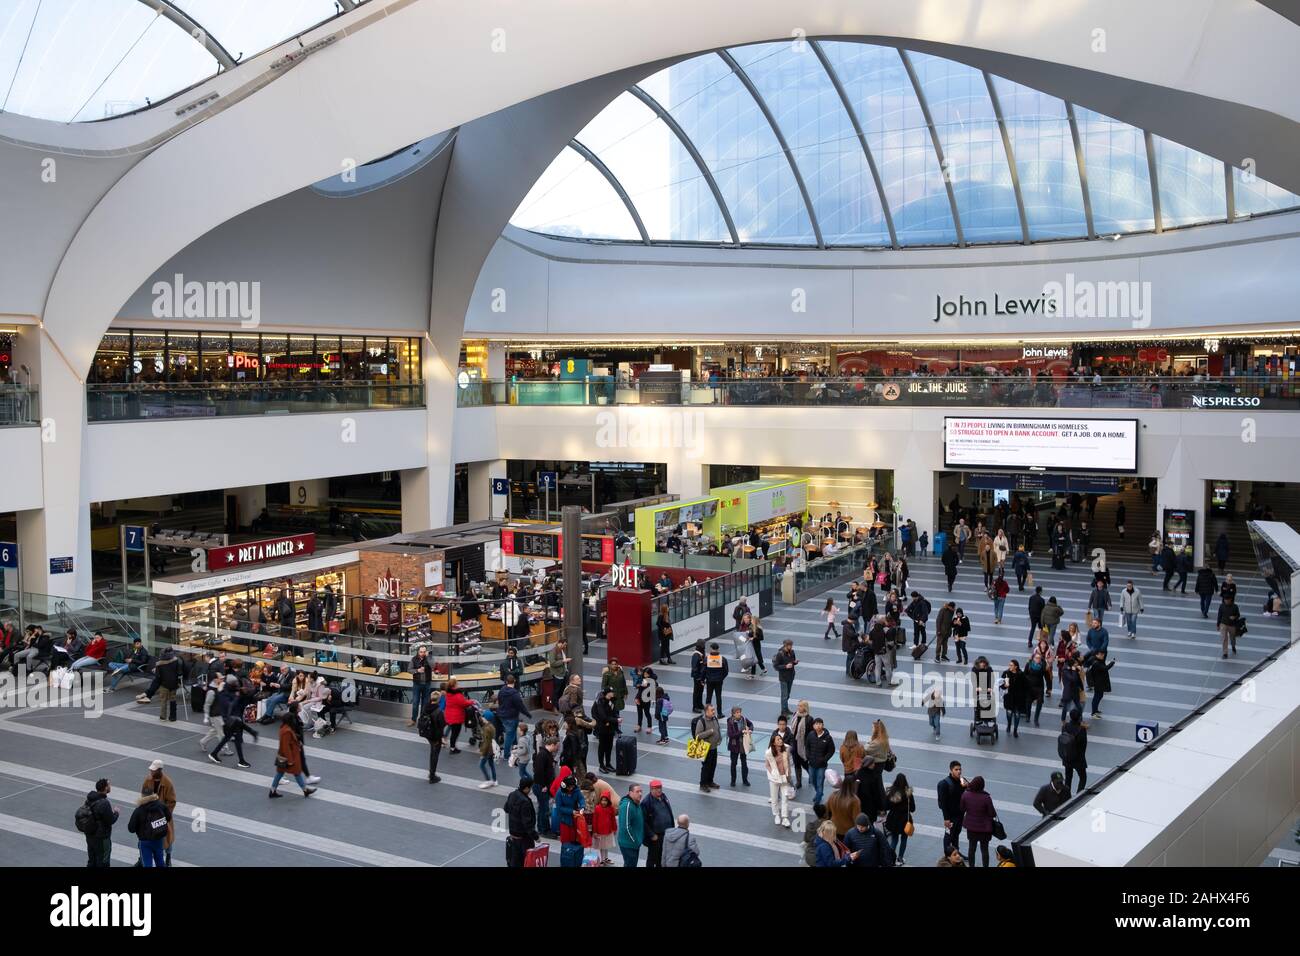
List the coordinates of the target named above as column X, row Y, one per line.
column 914, row 485
column 62, row 528
column 687, row 473
column 482, row 504
column 427, row 492
column 1179, row 487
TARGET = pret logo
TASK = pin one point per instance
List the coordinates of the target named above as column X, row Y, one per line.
column 625, row 575
column 389, row 586
column 76, row 909
column 891, row 392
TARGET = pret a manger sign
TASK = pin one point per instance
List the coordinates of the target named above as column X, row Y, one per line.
column 253, row 552
column 1041, row 444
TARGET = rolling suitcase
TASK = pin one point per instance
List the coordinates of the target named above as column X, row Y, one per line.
column 859, row 666
column 918, row 651
column 625, row 755
column 1077, row 548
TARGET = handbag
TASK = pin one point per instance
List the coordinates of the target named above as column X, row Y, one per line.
column 747, row 740
column 909, row 827
column 999, row 831
column 281, row 763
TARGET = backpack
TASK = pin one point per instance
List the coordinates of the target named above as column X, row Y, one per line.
column 1065, row 746
column 690, row 859
column 424, row 727
column 84, row 819
column 666, row 706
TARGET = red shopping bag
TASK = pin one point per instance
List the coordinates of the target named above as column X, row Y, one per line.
column 538, row 856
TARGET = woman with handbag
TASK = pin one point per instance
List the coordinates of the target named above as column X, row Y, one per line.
column 288, row 759
column 779, row 763
column 978, row 819
column 665, row 635
column 740, row 741
column 899, row 807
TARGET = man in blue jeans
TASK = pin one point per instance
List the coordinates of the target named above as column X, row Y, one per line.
column 421, row 681
column 149, row 823
column 510, row 707
column 135, row 663
column 821, row 748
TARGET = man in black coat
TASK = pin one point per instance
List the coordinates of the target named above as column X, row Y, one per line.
column 1036, row 605
column 697, row 678
column 951, row 788
column 99, row 841
column 430, row 726
column 950, row 562
column 1052, row 794
column 521, row 818
column 605, row 714
column 543, row 777
column 783, row 662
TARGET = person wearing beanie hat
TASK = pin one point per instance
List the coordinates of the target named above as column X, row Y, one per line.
column 166, row 792
column 487, row 748
column 1052, row 794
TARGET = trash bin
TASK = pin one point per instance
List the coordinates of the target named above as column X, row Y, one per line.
column 940, row 541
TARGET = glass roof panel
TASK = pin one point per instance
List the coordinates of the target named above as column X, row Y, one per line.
column 1192, row 188
column 247, row 27
column 69, row 60
column 574, row 199
column 974, row 156
column 665, row 185
column 1119, row 178
column 887, row 109
column 811, row 117
column 1253, row 196
column 739, row 148
column 1039, row 129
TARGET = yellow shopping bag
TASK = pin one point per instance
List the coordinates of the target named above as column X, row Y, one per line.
column 697, row 749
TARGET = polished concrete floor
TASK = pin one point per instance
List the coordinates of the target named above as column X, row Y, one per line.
column 374, row 806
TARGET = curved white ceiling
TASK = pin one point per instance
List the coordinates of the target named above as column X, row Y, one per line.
column 436, row 65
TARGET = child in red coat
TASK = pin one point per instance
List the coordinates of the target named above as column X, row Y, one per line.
column 605, row 825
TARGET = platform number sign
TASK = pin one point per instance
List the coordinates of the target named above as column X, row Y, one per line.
column 500, row 486
column 134, row 538
column 546, row 480
column 8, row 555
column 1147, row 732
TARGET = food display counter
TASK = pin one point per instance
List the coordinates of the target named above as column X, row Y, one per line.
column 695, row 523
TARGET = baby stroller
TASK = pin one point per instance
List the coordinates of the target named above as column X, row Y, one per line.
column 985, row 723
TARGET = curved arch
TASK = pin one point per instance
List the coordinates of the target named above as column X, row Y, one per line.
column 165, row 8
column 934, row 141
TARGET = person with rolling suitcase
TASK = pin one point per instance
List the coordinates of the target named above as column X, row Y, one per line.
column 521, row 817
column 849, row 645
column 919, row 611
column 605, row 715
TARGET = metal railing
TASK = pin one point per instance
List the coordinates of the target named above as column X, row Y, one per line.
column 716, row 592
column 1231, row 392
column 142, row 400
column 19, row 405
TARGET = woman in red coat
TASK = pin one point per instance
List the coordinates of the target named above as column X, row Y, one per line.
column 977, row 819
column 288, row 759
column 455, row 704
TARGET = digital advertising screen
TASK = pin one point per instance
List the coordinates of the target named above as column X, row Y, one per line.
column 1041, row 444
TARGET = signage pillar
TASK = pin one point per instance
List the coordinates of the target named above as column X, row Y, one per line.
column 571, row 541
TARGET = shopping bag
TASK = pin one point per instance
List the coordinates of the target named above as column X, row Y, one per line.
column 697, row 749
column 538, row 856
column 1029, row 579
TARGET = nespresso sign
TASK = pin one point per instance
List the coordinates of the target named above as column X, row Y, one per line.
column 253, row 552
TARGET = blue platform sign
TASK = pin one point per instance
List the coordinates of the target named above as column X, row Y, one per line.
column 61, row 565
column 1147, row 732
column 8, row 555
column 546, row 480
column 500, row 486
column 134, row 537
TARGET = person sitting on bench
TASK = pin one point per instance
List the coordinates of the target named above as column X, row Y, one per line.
column 136, row 663
column 94, row 654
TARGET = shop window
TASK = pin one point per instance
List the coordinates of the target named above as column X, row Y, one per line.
column 216, row 366
column 277, row 363
column 352, row 358
column 377, row 361
column 331, row 357
column 306, row 362
column 182, row 357
column 149, row 357
column 113, row 360
column 244, row 360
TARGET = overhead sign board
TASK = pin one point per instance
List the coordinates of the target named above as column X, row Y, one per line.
column 255, row 552
column 1106, row 445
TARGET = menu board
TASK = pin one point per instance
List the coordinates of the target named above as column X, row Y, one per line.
column 547, row 544
column 767, row 503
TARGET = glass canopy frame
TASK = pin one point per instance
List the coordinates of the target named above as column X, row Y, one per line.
column 996, row 144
